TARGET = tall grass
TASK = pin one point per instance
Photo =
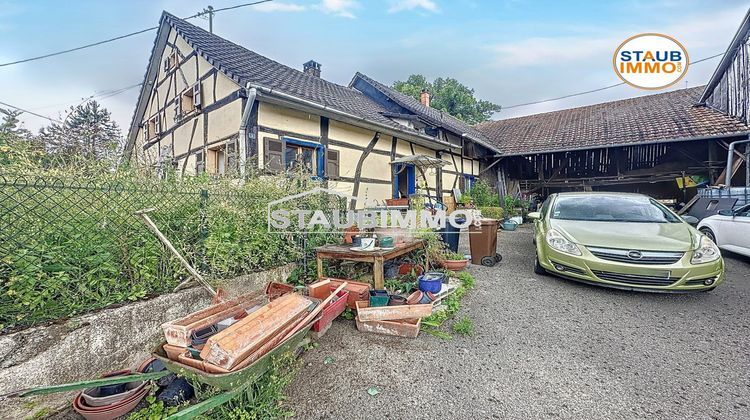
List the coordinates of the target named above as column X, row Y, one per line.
column 70, row 241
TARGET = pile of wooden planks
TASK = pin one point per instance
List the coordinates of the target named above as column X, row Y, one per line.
column 242, row 330
column 233, row 345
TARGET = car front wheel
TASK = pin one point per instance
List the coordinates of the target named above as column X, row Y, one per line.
column 538, row 269
column 708, row 232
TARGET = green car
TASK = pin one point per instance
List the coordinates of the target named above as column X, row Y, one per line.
column 625, row 241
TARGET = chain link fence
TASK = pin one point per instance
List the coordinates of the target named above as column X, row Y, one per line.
column 69, row 246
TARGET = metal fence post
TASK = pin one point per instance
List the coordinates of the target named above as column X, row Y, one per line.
column 203, row 234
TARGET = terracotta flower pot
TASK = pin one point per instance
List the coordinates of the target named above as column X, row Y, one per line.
column 396, row 202
column 406, row 268
column 454, row 265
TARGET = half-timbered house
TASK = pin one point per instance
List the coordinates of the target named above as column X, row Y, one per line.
column 209, row 105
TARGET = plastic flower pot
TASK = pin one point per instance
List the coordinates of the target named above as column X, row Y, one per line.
column 454, row 265
column 379, row 298
column 200, row 337
column 396, row 300
column 414, row 298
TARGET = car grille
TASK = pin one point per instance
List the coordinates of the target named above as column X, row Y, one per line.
column 637, row 279
column 646, row 257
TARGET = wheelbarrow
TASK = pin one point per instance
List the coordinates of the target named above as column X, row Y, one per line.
column 233, row 383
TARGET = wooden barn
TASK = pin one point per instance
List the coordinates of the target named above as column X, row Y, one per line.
column 662, row 145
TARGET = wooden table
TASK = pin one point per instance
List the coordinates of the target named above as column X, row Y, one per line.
column 377, row 258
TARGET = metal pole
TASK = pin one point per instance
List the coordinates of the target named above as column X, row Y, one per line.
column 730, row 164
column 151, row 225
column 211, row 19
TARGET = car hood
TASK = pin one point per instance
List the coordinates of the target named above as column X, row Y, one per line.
column 642, row 236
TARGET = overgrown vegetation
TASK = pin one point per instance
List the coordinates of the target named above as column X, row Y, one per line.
column 484, row 195
column 451, row 305
column 71, row 243
column 463, row 327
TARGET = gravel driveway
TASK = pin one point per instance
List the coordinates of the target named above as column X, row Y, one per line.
column 546, row 348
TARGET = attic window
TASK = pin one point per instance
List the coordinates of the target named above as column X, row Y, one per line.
column 190, row 100
column 171, row 61
column 152, row 127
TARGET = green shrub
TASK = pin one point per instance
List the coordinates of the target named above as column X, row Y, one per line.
column 492, row 212
column 71, row 243
column 484, row 195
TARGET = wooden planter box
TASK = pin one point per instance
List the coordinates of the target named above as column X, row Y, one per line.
column 177, row 332
column 408, row 328
column 330, row 312
column 386, row 313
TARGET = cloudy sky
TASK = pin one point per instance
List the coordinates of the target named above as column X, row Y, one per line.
column 509, row 51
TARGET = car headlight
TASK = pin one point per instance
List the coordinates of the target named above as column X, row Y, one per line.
column 556, row 241
column 707, row 251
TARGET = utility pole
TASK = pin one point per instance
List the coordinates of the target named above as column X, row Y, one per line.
column 210, row 12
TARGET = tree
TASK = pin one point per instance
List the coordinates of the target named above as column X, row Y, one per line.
column 86, row 131
column 449, row 95
column 11, row 126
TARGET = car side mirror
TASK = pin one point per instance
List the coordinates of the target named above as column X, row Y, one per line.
column 534, row 215
column 691, row 220
column 726, row 212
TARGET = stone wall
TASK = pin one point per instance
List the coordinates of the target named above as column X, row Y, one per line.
column 111, row 339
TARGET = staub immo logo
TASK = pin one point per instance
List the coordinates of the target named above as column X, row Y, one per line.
column 650, row 61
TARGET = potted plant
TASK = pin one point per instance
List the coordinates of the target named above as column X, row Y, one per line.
column 454, row 261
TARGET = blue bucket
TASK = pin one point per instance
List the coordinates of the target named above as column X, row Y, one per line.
column 431, row 281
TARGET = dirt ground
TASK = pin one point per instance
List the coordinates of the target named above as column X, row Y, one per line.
column 546, row 348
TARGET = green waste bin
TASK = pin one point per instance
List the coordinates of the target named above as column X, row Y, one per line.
column 483, row 243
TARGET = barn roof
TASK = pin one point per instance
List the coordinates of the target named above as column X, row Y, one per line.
column 670, row 116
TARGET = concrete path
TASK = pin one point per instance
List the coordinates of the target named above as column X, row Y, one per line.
column 546, row 348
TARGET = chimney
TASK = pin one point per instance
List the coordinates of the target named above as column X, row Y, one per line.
column 312, row 68
column 424, row 97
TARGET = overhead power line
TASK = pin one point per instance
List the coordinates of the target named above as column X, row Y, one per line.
column 592, row 90
column 30, row 112
column 117, row 38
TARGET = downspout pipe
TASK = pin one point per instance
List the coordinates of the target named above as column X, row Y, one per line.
column 251, row 94
column 730, row 158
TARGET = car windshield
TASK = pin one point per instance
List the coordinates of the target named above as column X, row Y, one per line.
column 611, row 208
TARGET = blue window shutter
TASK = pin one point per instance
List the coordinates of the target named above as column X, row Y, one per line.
column 411, row 179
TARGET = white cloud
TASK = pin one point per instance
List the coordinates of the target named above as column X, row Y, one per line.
column 280, row 7
column 548, row 51
column 599, row 43
column 343, row 8
column 401, row 5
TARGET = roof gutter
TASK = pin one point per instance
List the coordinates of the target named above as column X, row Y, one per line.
column 608, row 146
column 482, row 142
column 350, row 118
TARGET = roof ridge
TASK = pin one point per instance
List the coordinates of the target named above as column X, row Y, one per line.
column 443, row 115
column 617, row 101
column 314, row 79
